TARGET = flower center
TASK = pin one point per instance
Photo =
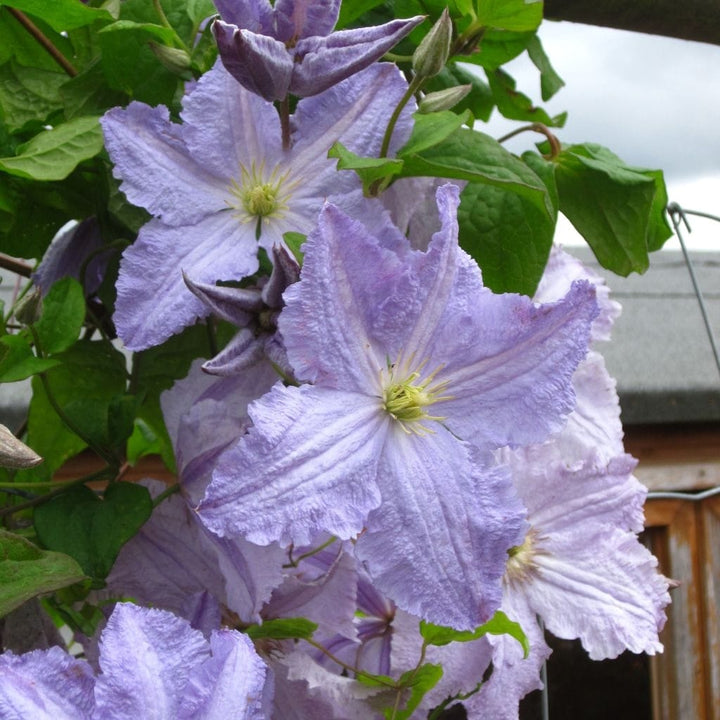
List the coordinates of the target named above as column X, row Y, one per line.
column 260, row 195
column 521, row 565
column 407, row 398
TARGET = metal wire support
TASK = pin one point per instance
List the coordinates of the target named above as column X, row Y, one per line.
column 678, row 214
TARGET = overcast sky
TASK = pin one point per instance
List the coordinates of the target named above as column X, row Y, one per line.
column 653, row 101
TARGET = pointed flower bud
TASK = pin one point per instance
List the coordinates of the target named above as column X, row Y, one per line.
column 443, row 99
column 29, row 309
column 176, row 60
column 432, row 53
column 14, row 453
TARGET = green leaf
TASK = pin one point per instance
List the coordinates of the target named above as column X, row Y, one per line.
column 420, row 681
column 550, row 81
column 430, row 129
column 513, row 15
column 616, row 208
column 17, row 360
column 198, row 10
column 283, row 629
column 88, row 94
column 372, row 171
column 27, row 571
column 88, row 370
column 63, row 315
column 54, row 154
column 60, row 14
column 351, row 10
column 498, row 624
column 92, row 530
column 508, row 236
column 28, row 95
column 473, row 156
column 513, row 104
column 497, row 48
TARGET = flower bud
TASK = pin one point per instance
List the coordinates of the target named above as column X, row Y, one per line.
column 14, row 453
column 29, row 309
column 443, row 99
column 176, row 60
column 432, row 53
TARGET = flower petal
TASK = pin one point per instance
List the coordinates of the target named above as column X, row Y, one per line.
column 301, row 18
column 321, row 62
column 146, row 657
column 157, row 169
column 153, row 301
column 45, row 685
column 437, row 546
column 255, row 15
column 308, row 465
column 259, row 63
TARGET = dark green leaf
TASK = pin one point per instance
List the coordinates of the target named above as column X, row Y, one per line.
column 513, row 15
column 473, row 156
column 16, row 42
column 88, row 94
column 615, row 207
column 497, row 48
column 60, row 14
column 499, row 624
column 550, row 81
column 350, row 10
column 508, row 236
column 91, row 530
column 63, row 315
column 54, row 154
column 17, row 360
column 27, row 571
column 431, row 129
column 371, row 171
column 283, row 629
column 513, row 104
column 28, row 95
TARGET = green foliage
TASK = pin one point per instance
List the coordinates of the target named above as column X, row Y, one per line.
column 27, row 571
column 498, row 624
column 78, row 523
column 509, row 236
column 63, row 315
column 283, row 629
column 618, row 209
column 17, row 360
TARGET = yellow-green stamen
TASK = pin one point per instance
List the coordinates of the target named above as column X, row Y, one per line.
column 259, row 194
column 406, row 399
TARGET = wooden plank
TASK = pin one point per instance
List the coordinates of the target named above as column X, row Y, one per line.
column 679, row 674
column 710, row 562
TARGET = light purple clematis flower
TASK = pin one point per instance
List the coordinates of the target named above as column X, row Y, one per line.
column 416, row 372
column 153, row 665
column 221, row 176
column 290, row 47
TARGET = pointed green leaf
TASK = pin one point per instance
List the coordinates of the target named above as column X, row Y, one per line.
column 550, row 81
column 513, row 15
column 618, row 209
column 28, row 94
column 17, row 360
column 432, row 128
column 54, row 154
column 63, row 315
column 419, row 681
column 283, row 629
column 473, row 156
column 371, row 171
column 498, row 624
column 512, row 103
column 27, row 571
column 60, row 14
column 92, row 530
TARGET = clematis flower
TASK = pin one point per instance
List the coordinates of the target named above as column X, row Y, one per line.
column 290, row 47
column 153, row 665
column 415, row 371
column 220, row 178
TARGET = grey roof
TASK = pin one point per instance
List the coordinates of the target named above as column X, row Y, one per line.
column 660, row 353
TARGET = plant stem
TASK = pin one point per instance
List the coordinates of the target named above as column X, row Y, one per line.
column 294, row 562
column 414, row 86
column 347, row 667
column 43, row 40
column 166, row 494
column 537, row 127
column 17, row 266
column 161, row 14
